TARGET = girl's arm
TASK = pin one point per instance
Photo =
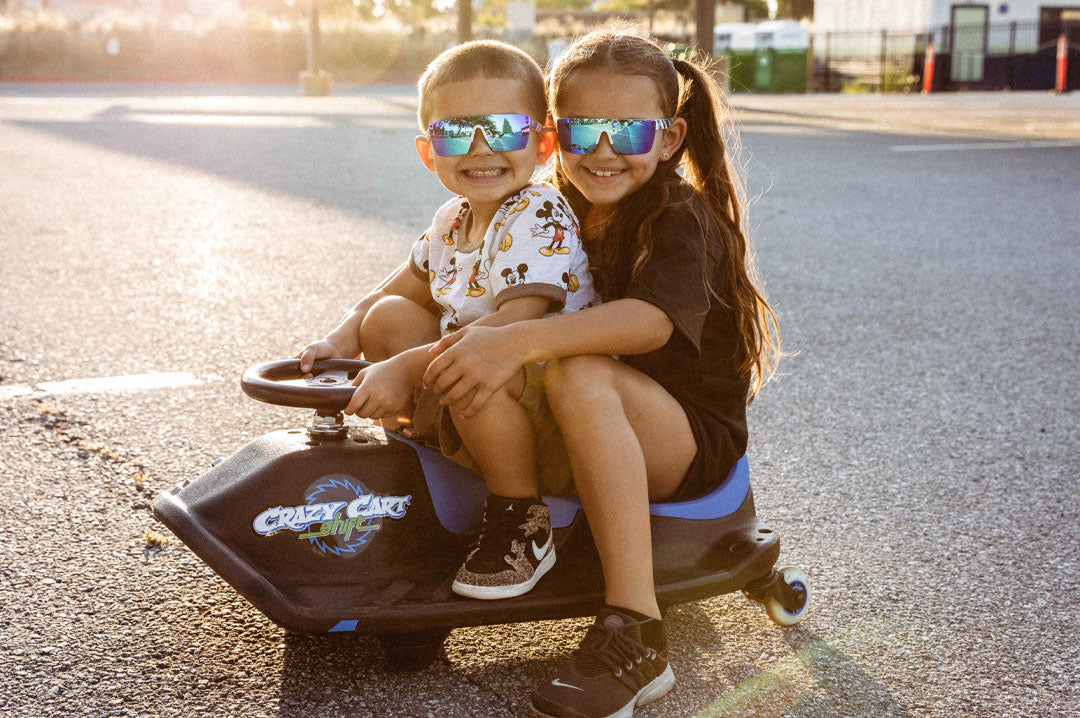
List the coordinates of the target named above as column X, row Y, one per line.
column 343, row 341
column 386, row 387
column 475, row 361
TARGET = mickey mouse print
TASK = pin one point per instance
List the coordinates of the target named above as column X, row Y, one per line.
column 532, row 247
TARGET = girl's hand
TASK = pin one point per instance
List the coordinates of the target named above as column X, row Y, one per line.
column 322, row 349
column 383, row 390
column 472, row 364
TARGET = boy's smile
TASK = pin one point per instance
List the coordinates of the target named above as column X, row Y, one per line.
column 484, row 177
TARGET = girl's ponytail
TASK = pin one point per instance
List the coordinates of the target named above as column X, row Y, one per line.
column 708, row 169
column 706, row 164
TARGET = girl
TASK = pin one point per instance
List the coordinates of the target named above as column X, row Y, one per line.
column 649, row 388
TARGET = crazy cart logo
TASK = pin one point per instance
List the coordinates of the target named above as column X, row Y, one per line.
column 346, row 515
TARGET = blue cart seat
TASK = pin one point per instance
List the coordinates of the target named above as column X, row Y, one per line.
column 458, row 494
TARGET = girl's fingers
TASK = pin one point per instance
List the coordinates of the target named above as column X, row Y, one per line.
column 462, row 407
column 446, row 342
column 436, row 369
column 479, row 399
column 457, row 392
column 359, row 379
column 446, row 379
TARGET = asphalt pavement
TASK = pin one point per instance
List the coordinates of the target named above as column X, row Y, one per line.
column 918, row 455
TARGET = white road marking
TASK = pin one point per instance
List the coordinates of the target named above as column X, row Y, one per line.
column 10, row 392
column 959, row 146
column 227, row 120
column 96, row 385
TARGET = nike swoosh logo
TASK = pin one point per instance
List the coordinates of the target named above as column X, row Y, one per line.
column 557, row 682
column 540, row 551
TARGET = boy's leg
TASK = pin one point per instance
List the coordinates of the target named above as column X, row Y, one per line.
column 395, row 324
column 515, row 546
column 500, row 439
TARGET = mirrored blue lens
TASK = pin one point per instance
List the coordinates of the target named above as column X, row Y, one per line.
column 503, row 133
column 580, row 135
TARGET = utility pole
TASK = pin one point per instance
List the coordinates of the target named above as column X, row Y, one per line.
column 314, row 82
column 464, row 21
column 704, row 21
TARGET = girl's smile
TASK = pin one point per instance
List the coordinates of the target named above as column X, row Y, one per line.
column 604, row 176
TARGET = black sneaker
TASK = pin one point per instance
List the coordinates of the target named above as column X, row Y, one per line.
column 514, row 550
column 612, row 672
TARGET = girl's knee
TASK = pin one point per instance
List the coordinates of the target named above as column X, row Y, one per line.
column 572, row 379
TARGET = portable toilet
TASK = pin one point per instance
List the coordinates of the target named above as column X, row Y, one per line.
column 736, row 40
column 782, row 50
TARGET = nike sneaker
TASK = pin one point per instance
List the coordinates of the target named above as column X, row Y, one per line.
column 611, row 673
column 513, row 551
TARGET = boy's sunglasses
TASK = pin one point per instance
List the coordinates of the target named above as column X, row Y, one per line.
column 581, row 135
column 503, row 133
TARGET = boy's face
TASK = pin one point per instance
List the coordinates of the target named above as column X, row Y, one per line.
column 482, row 176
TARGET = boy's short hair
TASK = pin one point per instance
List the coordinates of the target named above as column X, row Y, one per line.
column 483, row 59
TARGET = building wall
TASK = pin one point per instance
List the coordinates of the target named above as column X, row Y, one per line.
column 919, row 15
column 1001, row 11
column 870, row 15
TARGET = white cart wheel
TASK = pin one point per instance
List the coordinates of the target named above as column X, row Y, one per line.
column 796, row 579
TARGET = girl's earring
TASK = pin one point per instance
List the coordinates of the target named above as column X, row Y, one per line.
column 665, row 155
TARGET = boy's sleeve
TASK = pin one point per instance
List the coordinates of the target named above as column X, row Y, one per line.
column 418, row 257
column 535, row 247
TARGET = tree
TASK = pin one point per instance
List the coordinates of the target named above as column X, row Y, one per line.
column 794, row 9
column 755, row 9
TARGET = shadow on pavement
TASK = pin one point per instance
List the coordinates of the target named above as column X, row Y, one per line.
column 344, row 160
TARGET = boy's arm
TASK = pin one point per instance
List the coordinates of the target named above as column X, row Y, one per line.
column 343, row 341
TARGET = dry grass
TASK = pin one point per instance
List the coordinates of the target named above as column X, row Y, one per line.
column 249, row 47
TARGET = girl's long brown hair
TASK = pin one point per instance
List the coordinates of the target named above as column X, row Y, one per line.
column 686, row 90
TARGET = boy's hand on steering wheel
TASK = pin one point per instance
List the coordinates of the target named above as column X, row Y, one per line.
column 322, row 349
column 383, row 390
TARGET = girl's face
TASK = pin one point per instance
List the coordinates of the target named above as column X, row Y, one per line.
column 605, row 177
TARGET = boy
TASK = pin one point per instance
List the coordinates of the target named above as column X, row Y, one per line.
column 504, row 250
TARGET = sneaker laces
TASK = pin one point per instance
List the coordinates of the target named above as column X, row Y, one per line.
column 495, row 527
column 611, row 649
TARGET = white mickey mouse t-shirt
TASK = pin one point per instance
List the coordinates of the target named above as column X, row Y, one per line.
column 532, row 247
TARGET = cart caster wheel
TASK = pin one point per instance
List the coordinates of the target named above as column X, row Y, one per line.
column 800, row 584
column 412, row 651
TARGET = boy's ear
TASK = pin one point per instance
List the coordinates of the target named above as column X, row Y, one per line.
column 423, row 148
column 547, row 141
column 674, row 136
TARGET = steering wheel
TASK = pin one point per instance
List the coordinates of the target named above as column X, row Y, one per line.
column 328, row 389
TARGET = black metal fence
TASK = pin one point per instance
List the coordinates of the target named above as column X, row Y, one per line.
column 1016, row 55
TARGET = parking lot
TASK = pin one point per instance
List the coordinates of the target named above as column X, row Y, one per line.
column 918, row 455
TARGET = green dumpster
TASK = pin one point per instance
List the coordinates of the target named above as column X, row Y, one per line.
column 782, row 63
column 736, row 40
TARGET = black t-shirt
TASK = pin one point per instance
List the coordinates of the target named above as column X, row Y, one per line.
column 698, row 365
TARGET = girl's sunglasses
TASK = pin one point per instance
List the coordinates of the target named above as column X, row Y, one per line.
column 503, row 133
column 580, row 135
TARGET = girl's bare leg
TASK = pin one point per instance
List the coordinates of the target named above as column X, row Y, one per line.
column 629, row 442
column 500, row 438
